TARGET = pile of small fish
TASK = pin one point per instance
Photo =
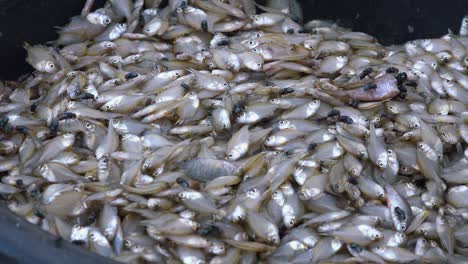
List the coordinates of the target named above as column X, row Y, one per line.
column 216, row 131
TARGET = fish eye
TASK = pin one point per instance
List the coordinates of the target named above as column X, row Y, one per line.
column 362, row 154
column 403, row 227
column 52, row 65
column 251, row 42
column 389, row 151
column 303, row 194
column 291, row 222
column 225, row 84
column 381, row 195
column 315, row 102
column 76, row 226
column 376, row 235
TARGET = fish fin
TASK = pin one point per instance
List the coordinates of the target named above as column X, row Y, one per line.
column 268, row 9
column 192, row 70
column 459, row 147
column 450, row 32
column 26, row 45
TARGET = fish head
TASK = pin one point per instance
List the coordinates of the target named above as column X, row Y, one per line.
column 50, row 67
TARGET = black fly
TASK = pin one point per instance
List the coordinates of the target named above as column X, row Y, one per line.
column 238, row 108
column 346, row 119
column 286, row 90
column 392, row 70
column 365, row 73
column 66, row 115
column 400, row 214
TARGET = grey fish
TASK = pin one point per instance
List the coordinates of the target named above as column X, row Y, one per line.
column 205, row 169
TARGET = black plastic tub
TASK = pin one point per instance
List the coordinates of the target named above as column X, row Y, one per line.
column 394, row 21
column 33, row 21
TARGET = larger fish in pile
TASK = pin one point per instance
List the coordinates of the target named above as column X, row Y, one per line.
column 205, row 132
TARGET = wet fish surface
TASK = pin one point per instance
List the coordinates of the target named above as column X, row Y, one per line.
column 216, row 131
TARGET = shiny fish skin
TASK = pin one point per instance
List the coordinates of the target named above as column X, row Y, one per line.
column 376, row 148
column 40, row 58
column 232, row 132
column 238, row 145
column 400, row 211
column 207, row 169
